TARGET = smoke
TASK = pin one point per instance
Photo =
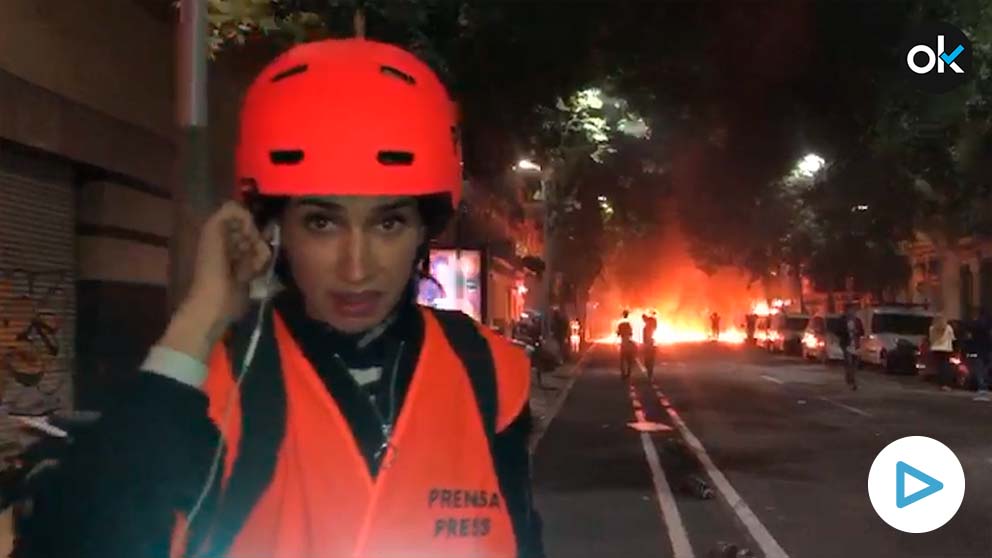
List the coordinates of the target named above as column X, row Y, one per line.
column 659, row 273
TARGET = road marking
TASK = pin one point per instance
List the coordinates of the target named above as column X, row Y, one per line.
column 772, row 379
column 854, row 410
column 681, row 547
column 769, row 546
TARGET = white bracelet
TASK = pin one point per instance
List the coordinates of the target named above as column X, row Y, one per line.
column 176, row 366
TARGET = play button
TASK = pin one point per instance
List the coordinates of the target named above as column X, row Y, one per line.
column 916, row 484
column 921, row 485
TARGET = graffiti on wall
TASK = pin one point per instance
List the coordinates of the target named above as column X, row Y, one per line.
column 33, row 310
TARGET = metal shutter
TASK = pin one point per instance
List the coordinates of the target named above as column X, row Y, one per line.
column 37, row 287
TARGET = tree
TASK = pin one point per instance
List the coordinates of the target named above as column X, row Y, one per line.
column 753, row 88
column 614, row 203
column 864, row 207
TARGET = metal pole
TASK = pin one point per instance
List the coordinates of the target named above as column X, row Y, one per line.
column 192, row 195
column 548, row 287
column 191, row 67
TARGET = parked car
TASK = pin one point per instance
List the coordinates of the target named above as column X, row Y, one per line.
column 821, row 341
column 785, row 335
column 893, row 335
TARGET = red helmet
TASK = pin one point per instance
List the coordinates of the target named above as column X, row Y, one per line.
column 349, row 117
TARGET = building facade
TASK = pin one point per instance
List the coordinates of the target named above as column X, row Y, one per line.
column 953, row 278
column 87, row 151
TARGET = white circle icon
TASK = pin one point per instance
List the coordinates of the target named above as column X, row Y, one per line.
column 916, row 484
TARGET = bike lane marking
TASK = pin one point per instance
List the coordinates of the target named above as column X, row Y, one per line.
column 769, row 546
column 677, row 534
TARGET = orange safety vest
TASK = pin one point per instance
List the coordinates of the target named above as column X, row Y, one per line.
column 436, row 495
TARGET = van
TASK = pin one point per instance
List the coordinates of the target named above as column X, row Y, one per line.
column 822, row 340
column 893, row 335
column 786, row 333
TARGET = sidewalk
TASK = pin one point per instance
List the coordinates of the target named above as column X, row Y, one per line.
column 546, row 400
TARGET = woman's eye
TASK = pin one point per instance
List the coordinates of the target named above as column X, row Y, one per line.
column 319, row 223
column 391, row 224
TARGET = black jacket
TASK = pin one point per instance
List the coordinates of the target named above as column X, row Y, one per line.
column 117, row 491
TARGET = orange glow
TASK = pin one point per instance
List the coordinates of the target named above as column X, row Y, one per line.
column 812, row 342
column 661, row 274
column 763, row 309
column 672, row 331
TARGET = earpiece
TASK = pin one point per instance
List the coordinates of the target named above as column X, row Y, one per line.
column 261, row 289
column 265, row 286
column 276, row 240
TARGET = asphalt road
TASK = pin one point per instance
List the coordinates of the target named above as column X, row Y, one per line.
column 784, row 445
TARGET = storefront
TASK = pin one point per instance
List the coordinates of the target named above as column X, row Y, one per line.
column 37, row 283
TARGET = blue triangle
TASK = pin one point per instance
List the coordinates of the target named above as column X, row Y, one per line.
column 903, row 469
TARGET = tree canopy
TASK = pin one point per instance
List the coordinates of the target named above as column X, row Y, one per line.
column 734, row 95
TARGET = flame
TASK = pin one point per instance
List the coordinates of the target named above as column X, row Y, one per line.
column 762, row 308
column 673, row 331
column 812, row 342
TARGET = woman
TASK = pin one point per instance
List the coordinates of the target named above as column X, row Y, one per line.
column 339, row 419
column 941, row 341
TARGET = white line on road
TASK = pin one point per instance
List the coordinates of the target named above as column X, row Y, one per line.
column 769, row 546
column 681, row 547
column 772, row 379
column 854, row 410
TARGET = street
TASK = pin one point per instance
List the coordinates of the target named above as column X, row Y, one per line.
column 784, row 445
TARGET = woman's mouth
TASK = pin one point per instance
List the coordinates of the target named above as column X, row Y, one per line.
column 355, row 306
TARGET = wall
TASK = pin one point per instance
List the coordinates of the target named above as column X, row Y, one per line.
column 108, row 55
column 499, row 293
column 91, row 83
column 942, row 289
column 95, row 84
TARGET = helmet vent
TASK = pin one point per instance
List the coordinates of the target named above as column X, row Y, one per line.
column 289, row 73
column 286, row 156
column 391, row 71
column 396, row 158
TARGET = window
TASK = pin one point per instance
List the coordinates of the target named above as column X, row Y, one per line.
column 901, row 324
column 796, row 324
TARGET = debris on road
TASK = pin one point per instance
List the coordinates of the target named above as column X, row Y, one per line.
column 698, row 487
column 730, row 550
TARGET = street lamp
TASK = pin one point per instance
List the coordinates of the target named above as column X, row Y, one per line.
column 526, row 166
column 810, row 165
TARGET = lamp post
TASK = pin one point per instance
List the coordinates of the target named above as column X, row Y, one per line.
column 526, row 166
column 192, row 196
